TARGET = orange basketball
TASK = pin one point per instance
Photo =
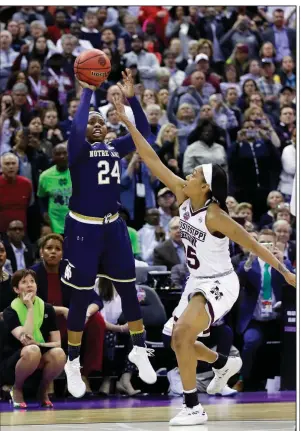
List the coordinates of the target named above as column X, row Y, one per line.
column 92, row 66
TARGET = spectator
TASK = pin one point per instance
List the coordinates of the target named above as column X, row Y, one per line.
column 17, row 42
column 286, row 125
column 230, row 80
column 153, row 114
column 273, row 200
column 53, row 292
column 6, row 293
column 282, row 38
column 245, row 210
column 204, row 148
column 15, row 193
column 287, row 76
column 223, row 116
column 80, row 44
column 176, row 76
column 114, row 91
column 7, row 57
column 51, row 131
column 283, row 232
column 254, row 72
column 137, row 184
column 147, row 62
column 150, row 235
column 258, row 319
column 202, row 65
column 55, row 190
column 172, row 251
column 167, row 146
column 232, row 204
column 35, row 137
column 288, row 172
column 167, row 204
column 113, row 123
column 266, row 84
column 179, row 275
column 249, row 88
column 148, row 97
column 22, row 110
column 65, row 125
column 22, row 357
column 7, row 122
column 18, row 250
column 254, row 166
column 28, row 14
column 60, row 26
column 198, row 92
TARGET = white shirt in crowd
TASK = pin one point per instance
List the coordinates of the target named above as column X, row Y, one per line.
column 19, row 255
column 128, row 110
column 288, row 160
column 148, row 242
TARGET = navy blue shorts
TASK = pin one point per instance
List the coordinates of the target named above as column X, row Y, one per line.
column 97, row 249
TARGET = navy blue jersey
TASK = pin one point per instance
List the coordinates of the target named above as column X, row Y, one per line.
column 95, row 168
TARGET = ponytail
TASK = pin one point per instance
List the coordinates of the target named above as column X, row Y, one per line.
column 219, row 191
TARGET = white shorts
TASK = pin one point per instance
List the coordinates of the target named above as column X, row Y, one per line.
column 221, row 294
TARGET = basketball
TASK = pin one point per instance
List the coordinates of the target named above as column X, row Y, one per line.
column 92, row 66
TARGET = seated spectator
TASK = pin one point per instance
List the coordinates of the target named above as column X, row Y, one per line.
column 65, row 125
column 33, row 342
column 113, row 124
column 51, row 290
column 283, row 232
column 287, row 76
column 250, row 182
column 232, row 204
column 166, row 204
column 245, row 210
column 273, row 200
column 18, row 250
column 15, row 193
column 6, row 292
column 286, row 125
column 54, row 190
column 147, row 62
column 148, row 97
column 153, row 114
column 111, row 312
column 167, row 147
column 137, row 188
column 172, row 251
column 150, row 235
column 7, row 57
column 204, row 148
column 257, row 319
column 114, row 91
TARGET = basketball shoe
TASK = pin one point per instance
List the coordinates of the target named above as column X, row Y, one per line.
column 140, row 357
column 190, row 416
column 76, row 386
column 222, row 376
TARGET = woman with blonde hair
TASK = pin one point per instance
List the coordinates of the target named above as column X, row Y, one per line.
column 168, row 146
column 148, row 97
column 262, row 124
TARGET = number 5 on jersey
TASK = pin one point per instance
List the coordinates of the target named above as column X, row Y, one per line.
column 104, row 174
column 192, row 260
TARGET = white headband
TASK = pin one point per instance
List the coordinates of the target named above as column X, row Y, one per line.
column 207, row 171
column 96, row 113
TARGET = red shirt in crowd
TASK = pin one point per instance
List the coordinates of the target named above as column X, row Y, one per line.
column 15, row 197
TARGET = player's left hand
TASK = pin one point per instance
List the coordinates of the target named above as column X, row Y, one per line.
column 127, row 88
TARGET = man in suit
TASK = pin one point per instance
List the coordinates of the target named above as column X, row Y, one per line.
column 171, row 252
column 284, row 39
column 262, row 289
column 19, row 253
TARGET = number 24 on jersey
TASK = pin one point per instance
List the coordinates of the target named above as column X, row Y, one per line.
column 104, row 174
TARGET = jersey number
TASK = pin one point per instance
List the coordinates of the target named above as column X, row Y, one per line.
column 104, row 173
column 192, row 260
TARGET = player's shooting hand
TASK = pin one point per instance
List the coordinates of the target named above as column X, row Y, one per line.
column 127, row 87
column 85, row 85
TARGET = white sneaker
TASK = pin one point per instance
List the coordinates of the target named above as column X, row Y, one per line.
column 175, row 383
column 228, row 392
column 222, row 376
column 76, row 386
column 140, row 357
column 190, row 416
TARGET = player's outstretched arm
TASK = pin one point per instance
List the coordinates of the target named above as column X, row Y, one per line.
column 77, row 136
column 218, row 220
column 151, row 159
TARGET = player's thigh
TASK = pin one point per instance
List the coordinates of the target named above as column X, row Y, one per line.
column 81, row 253
column 117, row 260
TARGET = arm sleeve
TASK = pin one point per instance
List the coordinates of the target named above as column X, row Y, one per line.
column 11, row 319
column 125, row 144
column 77, row 138
column 51, row 318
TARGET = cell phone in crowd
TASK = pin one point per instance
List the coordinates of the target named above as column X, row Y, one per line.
column 258, row 121
column 268, row 245
column 239, row 220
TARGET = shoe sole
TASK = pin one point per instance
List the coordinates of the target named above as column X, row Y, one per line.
column 225, row 380
column 149, row 382
column 203, row 421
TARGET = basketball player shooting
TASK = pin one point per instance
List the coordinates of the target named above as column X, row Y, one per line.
column 95, row 236
column 212, row 287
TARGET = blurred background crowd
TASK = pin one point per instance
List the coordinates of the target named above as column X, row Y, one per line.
column 218, row 85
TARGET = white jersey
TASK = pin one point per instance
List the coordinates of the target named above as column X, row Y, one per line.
column 206, row 255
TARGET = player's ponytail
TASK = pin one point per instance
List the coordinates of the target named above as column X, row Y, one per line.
column 219, row 186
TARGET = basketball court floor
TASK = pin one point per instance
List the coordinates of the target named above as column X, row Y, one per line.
column 245, row 412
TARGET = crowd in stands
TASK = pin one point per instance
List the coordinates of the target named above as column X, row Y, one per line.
column 218, row 85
